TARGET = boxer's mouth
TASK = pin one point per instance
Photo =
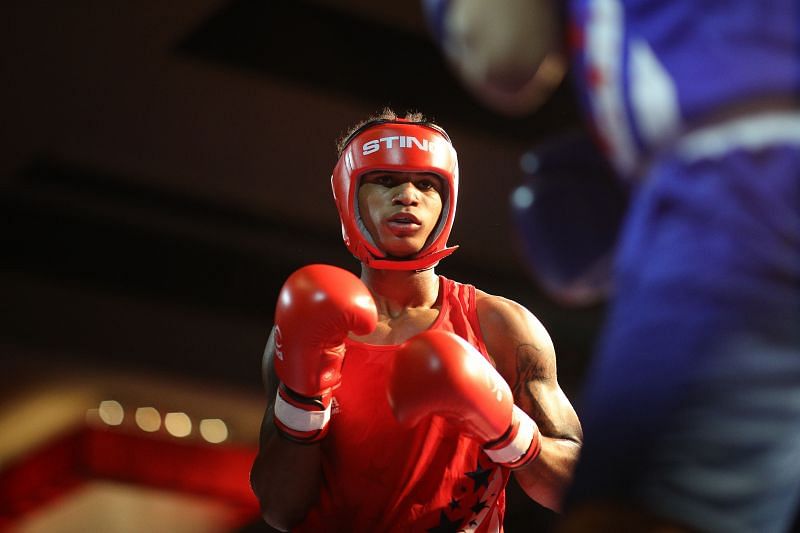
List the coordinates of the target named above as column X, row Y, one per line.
column 404, row 218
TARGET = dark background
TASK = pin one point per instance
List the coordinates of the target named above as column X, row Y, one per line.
column 165, row 165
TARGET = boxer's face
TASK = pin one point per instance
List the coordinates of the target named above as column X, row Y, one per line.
column 400, row 209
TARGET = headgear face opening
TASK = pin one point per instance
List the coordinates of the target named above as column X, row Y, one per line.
column 396, row 146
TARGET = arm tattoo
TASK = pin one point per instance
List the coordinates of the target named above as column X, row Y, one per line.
column 529, row 367
column 532, row 366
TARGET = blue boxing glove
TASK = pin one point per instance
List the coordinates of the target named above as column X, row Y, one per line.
column 509, row 53
column 568, row 213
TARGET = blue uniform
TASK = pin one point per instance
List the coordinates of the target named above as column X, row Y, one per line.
column 651, row 70
column 693, row 403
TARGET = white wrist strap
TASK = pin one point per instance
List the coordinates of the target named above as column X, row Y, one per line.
column 519, row 444
column 299, row 419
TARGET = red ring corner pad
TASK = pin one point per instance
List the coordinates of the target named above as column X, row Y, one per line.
column 85, row 454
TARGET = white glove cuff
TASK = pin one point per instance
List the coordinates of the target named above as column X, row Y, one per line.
column 519, row 444
column 299, row 419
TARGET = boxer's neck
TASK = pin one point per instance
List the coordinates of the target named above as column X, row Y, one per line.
column 397, row 290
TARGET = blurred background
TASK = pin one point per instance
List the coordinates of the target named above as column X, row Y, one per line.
column 164, row 167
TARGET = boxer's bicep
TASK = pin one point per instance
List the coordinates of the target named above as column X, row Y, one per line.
column 524, row 355
column 537, row 391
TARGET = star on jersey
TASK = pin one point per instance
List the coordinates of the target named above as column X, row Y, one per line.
column 480, row 476
column 469, row 505
column 479, row 506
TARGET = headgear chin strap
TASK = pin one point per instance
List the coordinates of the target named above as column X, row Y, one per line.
column 396, row 146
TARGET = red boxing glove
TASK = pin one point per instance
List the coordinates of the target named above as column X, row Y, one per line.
column 317, row 307
column 439, row 373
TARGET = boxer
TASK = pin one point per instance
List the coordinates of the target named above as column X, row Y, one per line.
column 402, row 400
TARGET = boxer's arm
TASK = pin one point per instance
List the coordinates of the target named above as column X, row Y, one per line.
column 286, row 476
column 525, row 357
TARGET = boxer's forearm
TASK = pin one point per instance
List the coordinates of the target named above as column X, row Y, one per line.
column 286, row 478
column 546, row 479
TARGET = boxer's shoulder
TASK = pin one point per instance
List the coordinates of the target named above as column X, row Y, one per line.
column 504, row 314
column 509, row 329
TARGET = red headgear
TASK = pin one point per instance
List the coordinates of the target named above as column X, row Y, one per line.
column 398, row 146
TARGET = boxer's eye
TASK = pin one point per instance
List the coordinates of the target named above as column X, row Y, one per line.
column 429, row 184
column 384, row 180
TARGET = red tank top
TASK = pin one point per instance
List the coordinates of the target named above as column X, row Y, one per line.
column 378, row 476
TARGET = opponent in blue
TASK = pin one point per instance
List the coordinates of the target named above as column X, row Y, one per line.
column 692, row 408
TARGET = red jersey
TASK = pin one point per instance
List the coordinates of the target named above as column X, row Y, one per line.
column 379, row 476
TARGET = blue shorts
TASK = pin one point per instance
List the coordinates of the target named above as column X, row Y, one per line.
column 693, row 403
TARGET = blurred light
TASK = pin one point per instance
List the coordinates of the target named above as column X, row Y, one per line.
column 178, row 424
column 111, row 412
column 148, row 419
column 529, row 163
column 522, row 197
column 213, row 430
